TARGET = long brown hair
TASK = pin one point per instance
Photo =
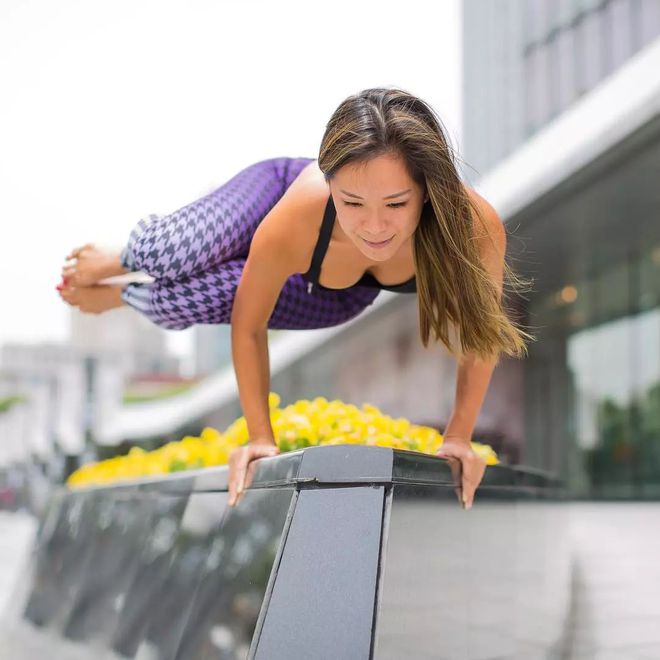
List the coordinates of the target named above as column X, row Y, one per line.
column 456, row 294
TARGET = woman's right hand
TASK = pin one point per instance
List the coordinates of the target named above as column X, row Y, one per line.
column 241, row 469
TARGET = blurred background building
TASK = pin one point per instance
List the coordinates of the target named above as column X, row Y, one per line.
column 525, row 62
column 58, row 399
column 561, row 133
column 212, row 346
column 561, row 123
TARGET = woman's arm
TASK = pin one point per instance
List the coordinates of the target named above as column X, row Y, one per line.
column 276, row 252
column 472, row 380
column 252, row 367
column 473, row 373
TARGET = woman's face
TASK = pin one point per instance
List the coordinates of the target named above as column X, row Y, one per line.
column 378, row 205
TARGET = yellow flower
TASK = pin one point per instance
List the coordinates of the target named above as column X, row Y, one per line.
column 301, row 424
column 209, row 434
column 273, row 400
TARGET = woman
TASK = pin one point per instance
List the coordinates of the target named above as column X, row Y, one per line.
column 301, row 243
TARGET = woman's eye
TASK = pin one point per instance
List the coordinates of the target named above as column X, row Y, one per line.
column 394, row 205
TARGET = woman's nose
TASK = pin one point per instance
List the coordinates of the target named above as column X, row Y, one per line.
column 376, row 227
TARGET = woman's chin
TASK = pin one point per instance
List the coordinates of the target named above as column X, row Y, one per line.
column 377, row 252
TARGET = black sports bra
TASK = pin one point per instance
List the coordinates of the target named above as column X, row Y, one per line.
column 312, row 275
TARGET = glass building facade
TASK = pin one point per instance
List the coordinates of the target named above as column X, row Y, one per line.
column 592, row 378
column 555, row 52
column 569, row 46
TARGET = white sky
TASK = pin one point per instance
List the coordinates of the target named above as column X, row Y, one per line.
column 114, row 110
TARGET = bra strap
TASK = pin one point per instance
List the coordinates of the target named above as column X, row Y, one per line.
column 321, row 244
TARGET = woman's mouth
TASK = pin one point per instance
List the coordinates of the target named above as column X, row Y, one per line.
column 379, row 244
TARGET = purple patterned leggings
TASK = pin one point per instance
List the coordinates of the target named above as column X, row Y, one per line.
column 197, row 253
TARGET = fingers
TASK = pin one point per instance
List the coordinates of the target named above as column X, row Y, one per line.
column 468, row 494
column 473, row 471
column 456, row 468
column 467, row 470
column 241, row 471
column 247, row 480
column 237, row 464
column 249, row 476
column 457, row 477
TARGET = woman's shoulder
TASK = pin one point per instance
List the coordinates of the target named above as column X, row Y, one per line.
column 292, row 226
column 304, row 202
column 479, row 202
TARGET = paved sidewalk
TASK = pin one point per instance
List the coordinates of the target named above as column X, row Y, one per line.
column 616, row 581
column 20, row 640
column 616, row 584
column 17, row 534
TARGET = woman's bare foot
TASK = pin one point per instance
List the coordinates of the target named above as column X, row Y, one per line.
column 90, row 266
column 94, row 299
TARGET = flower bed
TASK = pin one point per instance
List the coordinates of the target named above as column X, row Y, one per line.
column 302, row 424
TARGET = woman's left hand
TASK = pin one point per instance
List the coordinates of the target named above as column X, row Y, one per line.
column 467, row 466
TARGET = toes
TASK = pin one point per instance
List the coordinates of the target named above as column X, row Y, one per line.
column 70, row 279
column 75, row 253
column 69, row 295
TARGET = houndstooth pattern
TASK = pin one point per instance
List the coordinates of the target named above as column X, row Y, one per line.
column 209, row 296
column 216, row 227
column 197, row 254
